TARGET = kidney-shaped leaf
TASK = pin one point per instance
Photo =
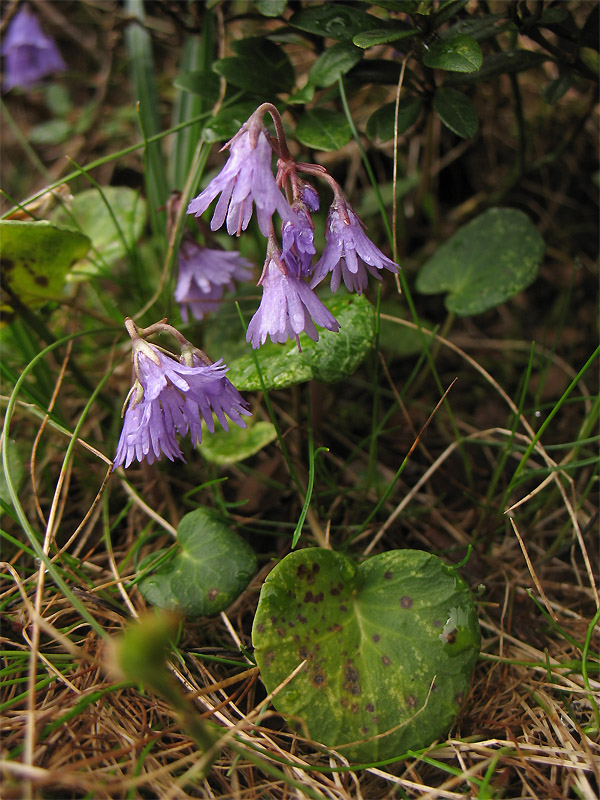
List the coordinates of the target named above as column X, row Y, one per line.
column 389, row 648
column 212, row 565
column 459, row 53
column 332, row 358
column 229, row 447
column 36, row 257
column 487, row 261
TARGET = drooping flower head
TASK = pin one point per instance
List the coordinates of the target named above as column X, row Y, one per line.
column 170, row 396
column 348, row 252
column 30, row 54
column 246, row 179
column 297, row 240
column 287, row 307
column 204, row 275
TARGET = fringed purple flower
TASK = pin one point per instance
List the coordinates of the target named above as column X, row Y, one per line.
column 170, row 397
column 298, row 247
column 204, row 275
column 349, row 252
column 30, row 54
column 287, row 308
column 246, row 178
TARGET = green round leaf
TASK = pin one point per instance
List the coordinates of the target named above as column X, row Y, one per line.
column 333, row 63
column 88, row 212
column 389, row 646
column 212, row 566
column 456, row 111
column 381, row 122
column 270, row 8
column 323, row 130
column 36, row 257
column 383, row 36
column 487, row 261
column 261, row 67
column 334, row 20
column 229, row 447
column 459, row 53
column 333, row 357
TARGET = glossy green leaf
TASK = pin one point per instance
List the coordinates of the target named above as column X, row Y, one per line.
column 270, row 8
column 391, row 33
column 389, row 648
column 229, row 447
column 460, row 53
column 88, row 212
column 333, row 63
column 480, row 28
column 260, row 66
column 36, row 257
column 205, row 84
column 332, row 358
column 499, row 64
column 381, row 123
column 322, row 129
column 333, row 20
column 227, row 122
column 456, row 111
column 210, row 568
column 446, row 9
column 487, row 261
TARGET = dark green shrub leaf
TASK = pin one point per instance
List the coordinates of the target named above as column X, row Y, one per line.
column 446, row 10
column 480, row 28
column 87, row 212
column 460, row 53
column 334, row 20
column 389, row 645
column 392, row 33
column 229, row 447
column 333, row 357
column 205, row 84
column 323, row 130
column 270, row 8
column 499, row 64
column 261, row 67
column 36, row 257
column 456, row 111
column 227, row 122
column 333, row 63
column 211, row 566
column 487, row 261
column 381, row 122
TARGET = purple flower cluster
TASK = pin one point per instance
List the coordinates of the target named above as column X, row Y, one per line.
column 289, row 305
column 170, row 397
column 29, row 54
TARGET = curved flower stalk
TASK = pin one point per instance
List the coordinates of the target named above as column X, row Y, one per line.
column 348, row 252
column 246, row 179
column 204, row 275
column 170, row 396
column 30, row 54
column 287, row 308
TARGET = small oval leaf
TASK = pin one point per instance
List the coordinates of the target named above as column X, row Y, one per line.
column 333, row 20
column 333, row 63
column 332, row 358
column 389, row 647
column 456, row 111
column 381, row 122
column 323, row 130
column 459, row 53
column 487, row 261
column 383, row 36
column 212, row 566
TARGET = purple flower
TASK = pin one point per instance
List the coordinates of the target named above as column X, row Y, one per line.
column 245, row 179
column 298, row 248
column 30, row 54
column 204, row 275
column 310, row 196
column 286, row 309
column 169, row 397
column 348, row 251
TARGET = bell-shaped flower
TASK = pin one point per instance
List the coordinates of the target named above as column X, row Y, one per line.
column 204, row 275
column 349, row 252
column 288, row 307
column 246, row 179
column 29, row 54
column 170, row 397
column 297, row 243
